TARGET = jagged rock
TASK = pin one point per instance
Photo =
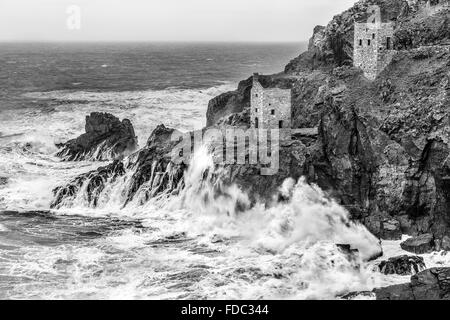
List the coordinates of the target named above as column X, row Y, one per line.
column 358, row 295
column 431, row 284
column 426, row 196
column 391, row 230
column 106, row 138
column 419, row 245
column 402, row 265
column 3, row 180
column 151, row 166
column 445, row 243
column 395, row 292
column 352, row 253
column 415, row 31
column 347, row 249
column 95, row 184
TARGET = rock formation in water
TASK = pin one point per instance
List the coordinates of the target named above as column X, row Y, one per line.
column 402, row 265
column 106, row 138
column 151, row 166
column 421, row 244
column 431, row 284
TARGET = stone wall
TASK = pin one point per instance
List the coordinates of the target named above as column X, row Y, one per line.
column 270, row 108
column 373, row 47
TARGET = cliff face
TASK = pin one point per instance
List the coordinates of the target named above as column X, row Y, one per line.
column 383, row 146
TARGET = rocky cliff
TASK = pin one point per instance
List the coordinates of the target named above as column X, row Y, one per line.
column 383, row 146
column 106, row 138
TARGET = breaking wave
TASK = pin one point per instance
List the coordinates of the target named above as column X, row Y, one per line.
column 287, row 250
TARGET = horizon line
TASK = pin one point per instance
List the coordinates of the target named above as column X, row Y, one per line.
column 158, row 41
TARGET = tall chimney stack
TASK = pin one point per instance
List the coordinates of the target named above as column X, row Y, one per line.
column 255, row 77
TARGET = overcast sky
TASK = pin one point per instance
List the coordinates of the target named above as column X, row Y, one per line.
column 166, row 20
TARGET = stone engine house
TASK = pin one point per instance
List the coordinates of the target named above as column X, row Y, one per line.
column 270, row 108
column 373, row 47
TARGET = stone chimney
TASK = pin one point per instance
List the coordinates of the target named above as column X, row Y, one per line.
column 255, row 78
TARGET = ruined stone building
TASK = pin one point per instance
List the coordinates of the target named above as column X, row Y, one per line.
column 373, row 47
column 270, row 108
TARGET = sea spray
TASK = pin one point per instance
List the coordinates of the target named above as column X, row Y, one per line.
column 205, row 241
column 204, row 191
column 307, row 216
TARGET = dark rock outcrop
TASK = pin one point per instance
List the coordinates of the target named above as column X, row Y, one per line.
column 419, row 245
column 431, row 284
column 391, row 230
column 96, row 184
column 3, row 180
column 402, row 265
column 151, row 166
column 414, row 31
column 106, row 138
column 358, row 294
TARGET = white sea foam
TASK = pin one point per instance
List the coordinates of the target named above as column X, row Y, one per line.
column 286, row 251
column 198, row 249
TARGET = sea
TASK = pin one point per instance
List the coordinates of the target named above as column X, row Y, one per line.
column 172, row 249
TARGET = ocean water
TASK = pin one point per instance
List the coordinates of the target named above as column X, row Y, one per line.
column 170, row 247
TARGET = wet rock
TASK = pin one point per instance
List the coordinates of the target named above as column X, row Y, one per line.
column 151, row 166
column 431, row 284
column 93, row 181
column 445, row 243
column 419, row 245
column 402, row 265
column 395, row 292
column 106, row 138
column 347, row 249
column 391, row 230
column 3, row 181
column 362, row 295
